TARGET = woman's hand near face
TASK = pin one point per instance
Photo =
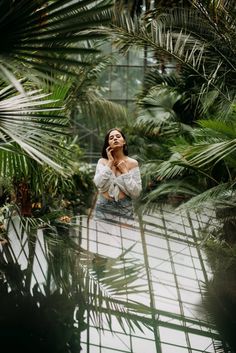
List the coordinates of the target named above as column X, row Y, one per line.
column 110, row 157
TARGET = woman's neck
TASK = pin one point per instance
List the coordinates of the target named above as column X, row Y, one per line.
column 119, row 154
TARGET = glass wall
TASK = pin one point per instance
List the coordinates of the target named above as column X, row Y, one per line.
column 120, row 82
column 124, row 76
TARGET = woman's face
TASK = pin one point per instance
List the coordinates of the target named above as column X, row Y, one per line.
column 115, row 139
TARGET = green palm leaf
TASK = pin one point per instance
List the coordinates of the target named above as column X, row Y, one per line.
column 160, row 39
column 189, row 38
column 180, row 187
column 207, row 154
column 216, row 129
column 48, row 36
column 29, row 127
column 222, row 194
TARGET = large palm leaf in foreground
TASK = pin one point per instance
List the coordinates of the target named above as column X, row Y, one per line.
column 30, row 126
column 47, row 36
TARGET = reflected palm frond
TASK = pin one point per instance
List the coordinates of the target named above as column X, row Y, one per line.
column 99, row 286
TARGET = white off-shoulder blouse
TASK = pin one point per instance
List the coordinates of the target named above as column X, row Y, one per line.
column 106, row 181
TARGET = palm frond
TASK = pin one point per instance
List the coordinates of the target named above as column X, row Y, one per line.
column 160, row 97
column 221, row 194
column 207, row 154
column 94, row 114
column 158, row 38
column 174, row 167
column 102, row 114
column 202, row 25
column 182, row 189
column 107, row 292
column 157, row 116
column 155, row 78
column 46, row 37
column 31, row 123
column 215, row 128
column 169, row 36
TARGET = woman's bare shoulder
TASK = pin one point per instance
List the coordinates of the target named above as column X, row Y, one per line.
column 132, row 163
column 102, row 161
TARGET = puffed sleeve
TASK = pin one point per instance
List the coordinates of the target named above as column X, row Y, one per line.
column 130, row 183
column 103, row 177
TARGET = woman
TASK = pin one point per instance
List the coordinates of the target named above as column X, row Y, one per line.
column 117, row 178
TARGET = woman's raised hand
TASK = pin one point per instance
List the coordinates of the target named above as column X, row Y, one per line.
column 110, row 157
column 121, row 165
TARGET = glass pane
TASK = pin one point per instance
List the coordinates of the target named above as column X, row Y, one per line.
column 119, row 82
column 200, row 342
column 136, row 57
column 166, row 348
column 172, row 336
column 135, row 80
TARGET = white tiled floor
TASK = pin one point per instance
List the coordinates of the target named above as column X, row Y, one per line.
column 175, row 278
column 166, row 248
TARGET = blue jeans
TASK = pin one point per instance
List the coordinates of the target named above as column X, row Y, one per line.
column 114, row 211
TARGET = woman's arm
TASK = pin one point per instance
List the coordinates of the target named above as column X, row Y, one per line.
column 103, row 177
column 130, row 183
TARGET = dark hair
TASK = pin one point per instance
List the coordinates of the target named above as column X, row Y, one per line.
column 106, row 142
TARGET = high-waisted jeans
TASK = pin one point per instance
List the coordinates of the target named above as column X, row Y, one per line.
column 114, row 211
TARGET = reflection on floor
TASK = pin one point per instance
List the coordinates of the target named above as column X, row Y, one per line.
column 169, row 247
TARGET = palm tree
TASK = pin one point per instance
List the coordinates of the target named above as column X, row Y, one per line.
column 194, row 158
column 203, row 48
column 202, row 169
column 35, row 143
column 47, row 46
column 44, row 41
column 193, row 40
